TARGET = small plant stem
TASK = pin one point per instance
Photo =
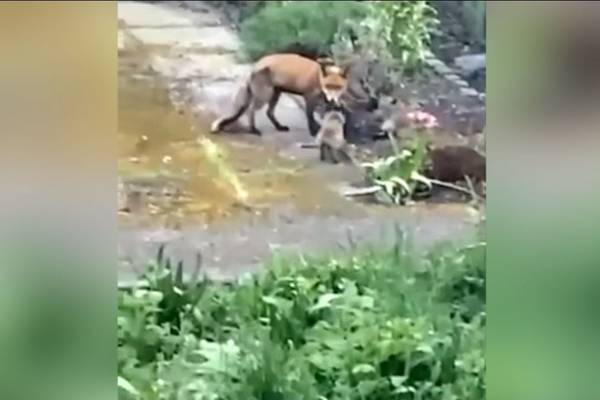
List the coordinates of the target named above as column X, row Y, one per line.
column 450, row 186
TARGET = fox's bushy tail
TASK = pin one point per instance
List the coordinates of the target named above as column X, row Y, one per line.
column 241, row 101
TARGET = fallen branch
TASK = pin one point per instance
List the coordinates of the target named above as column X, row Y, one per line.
column 308, row 145
column 450, row 186
column 374, row 189
column 474, row 196
column 362, row 191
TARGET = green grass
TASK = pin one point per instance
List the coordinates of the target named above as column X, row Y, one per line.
column 372, row 324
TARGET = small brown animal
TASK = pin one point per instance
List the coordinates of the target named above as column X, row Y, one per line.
column 330, row 138
column 275, row 74
column 453, row 163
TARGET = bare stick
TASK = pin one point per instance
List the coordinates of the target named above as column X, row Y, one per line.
column 474, row 195
column 450, row 186
column 309, row 145
column 362, row 191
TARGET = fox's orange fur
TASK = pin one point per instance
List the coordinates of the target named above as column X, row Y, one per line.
column 275, row 74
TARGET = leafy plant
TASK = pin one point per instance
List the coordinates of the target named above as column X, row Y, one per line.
column 397, row 34
column 400, row 176
column 409, row 26
column 151, row 317
column 374, row 323
column 393, row 37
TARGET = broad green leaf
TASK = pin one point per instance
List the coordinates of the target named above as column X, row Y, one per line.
column 401, row 182
column 124, row 384
column 398, row 380
column 324, row 301
column 425, row 348
column 367, row 302
column 363, row 369
column 278, row 302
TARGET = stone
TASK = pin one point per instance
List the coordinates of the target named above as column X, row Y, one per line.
column 433, row 62
column 470, row 63
column 443, row 70
column 452, row 77
column 149, row 15
column 468, row 92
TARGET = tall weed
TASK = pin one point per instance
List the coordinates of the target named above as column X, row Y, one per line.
column 374, row 324
column 393, row 39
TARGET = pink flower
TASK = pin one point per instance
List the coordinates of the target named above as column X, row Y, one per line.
column 422, row 118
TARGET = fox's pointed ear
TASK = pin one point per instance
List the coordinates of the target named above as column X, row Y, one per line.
column 324, row 63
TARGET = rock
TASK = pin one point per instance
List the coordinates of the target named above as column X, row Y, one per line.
column 453, row 77
column 477, row 80
column 443, row 70
column 467, row 91
column 434, row 62
column 470, row 63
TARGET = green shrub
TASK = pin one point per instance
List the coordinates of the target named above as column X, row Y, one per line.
column 393, row 36
column 409, row 26
column 400, row 176
column 374, row 324
column 306, row 25
column 396, row 35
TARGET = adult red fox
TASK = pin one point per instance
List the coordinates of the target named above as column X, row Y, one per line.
column 275, row 74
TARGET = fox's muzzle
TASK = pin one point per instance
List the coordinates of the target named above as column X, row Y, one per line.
column 333, row 98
